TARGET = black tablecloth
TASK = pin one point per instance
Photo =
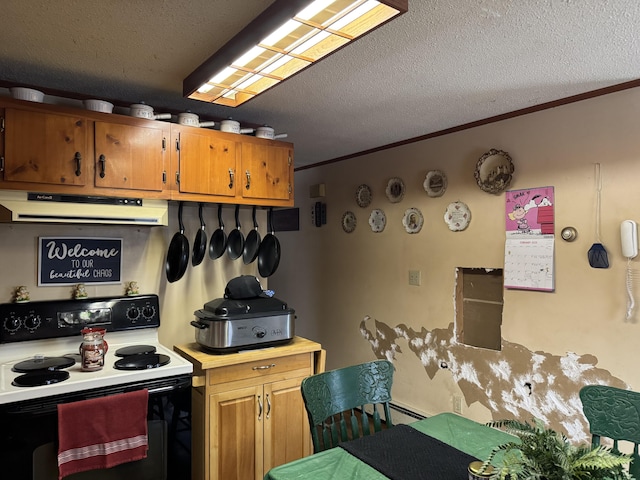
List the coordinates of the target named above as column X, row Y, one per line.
column 403, row 453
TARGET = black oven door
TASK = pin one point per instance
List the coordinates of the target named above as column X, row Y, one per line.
column 29, row 431
column 154, row 467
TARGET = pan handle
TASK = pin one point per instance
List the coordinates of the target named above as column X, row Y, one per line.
column 270, row 221
column 198, row 325
column 202, row 224
column 220, row 224
column 180, row 218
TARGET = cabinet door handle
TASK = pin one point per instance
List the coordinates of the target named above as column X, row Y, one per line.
column 103, row 165
column 78, row 158
column 231, row 178
column 268, row 406
column 264, row 367
column 248, row 186
column 259, row 408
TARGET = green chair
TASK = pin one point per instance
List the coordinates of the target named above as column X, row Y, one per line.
column 344, row 404
column 613, row 413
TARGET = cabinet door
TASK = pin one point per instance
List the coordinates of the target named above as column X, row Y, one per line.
column 236, row 434
column 206, row 164
column 45, row 148
column 266, row 172
column 286, row 428
column 129, row 157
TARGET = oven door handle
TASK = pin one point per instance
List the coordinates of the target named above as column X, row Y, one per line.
column 167, row 388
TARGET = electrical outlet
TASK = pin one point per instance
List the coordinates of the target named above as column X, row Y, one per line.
column 457, row 404
column 415, row 277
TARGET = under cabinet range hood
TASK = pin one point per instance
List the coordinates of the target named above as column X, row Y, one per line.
column 19, row 206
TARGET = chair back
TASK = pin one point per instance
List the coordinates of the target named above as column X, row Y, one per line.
column 332, row 398
column 613, row 413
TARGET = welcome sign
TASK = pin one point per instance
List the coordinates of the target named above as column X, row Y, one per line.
column 69, row 261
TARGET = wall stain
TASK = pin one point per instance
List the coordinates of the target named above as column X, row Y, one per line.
column 512, row 383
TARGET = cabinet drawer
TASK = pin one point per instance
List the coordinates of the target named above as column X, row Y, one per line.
column 261, row 368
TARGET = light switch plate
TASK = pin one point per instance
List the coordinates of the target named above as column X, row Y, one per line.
column 415, row 277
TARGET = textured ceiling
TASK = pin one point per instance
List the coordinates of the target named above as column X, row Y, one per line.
column 444, row 63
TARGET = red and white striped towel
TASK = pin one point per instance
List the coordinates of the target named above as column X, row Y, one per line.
column 102, row 432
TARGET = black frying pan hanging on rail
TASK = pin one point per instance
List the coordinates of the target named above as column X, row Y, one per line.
column 252, row 242
column 218, row 243
column 178, row 253
column 235, row 242
column 269, row 251
column 200, row 243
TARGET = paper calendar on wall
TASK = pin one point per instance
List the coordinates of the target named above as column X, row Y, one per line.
column 529, row 247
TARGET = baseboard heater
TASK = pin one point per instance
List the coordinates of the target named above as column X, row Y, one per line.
column 405, row 411
column 399, row 413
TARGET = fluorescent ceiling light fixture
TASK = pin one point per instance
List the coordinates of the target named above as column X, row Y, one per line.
column 286, row 38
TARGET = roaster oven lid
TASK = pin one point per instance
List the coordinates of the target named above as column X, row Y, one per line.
column 248, row 307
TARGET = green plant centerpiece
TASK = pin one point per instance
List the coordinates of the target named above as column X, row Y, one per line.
column 543, row 454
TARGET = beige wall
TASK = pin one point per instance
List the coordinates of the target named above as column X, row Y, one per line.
column 144, row 253
column 556, row 341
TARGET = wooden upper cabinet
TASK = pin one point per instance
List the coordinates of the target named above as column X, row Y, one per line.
column 130, row 156
column 45, row 148
column 267, row 171
column 206, row 162
column 60, row 149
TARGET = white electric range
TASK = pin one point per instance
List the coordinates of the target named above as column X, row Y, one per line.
column 52, row 329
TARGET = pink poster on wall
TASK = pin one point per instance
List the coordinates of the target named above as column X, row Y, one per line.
column 530, row 211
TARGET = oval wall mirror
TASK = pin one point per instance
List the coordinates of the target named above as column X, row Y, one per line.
column 494, row 171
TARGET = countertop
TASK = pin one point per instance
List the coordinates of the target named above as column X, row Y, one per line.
column 204, row 360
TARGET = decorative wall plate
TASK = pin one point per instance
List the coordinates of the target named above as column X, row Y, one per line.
column 377, row 220
column 494, row 171
column 457, row 216
column 363, row 196
column 435, row 183
column 412, row 220
column 349, row 222
column 395, row 190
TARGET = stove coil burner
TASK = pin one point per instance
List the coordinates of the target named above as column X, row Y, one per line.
column 38, row 378
column 135, row 350
column 142, row 361
column 43, row 363
column 41, row 371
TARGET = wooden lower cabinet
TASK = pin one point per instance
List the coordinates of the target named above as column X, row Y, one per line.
column 236, row 434
column 254, row 429
column 248, row 415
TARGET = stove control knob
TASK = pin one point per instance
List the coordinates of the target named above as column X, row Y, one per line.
column 12, row 324
column 32, row 322
column 148, row 311
column 133, row 313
